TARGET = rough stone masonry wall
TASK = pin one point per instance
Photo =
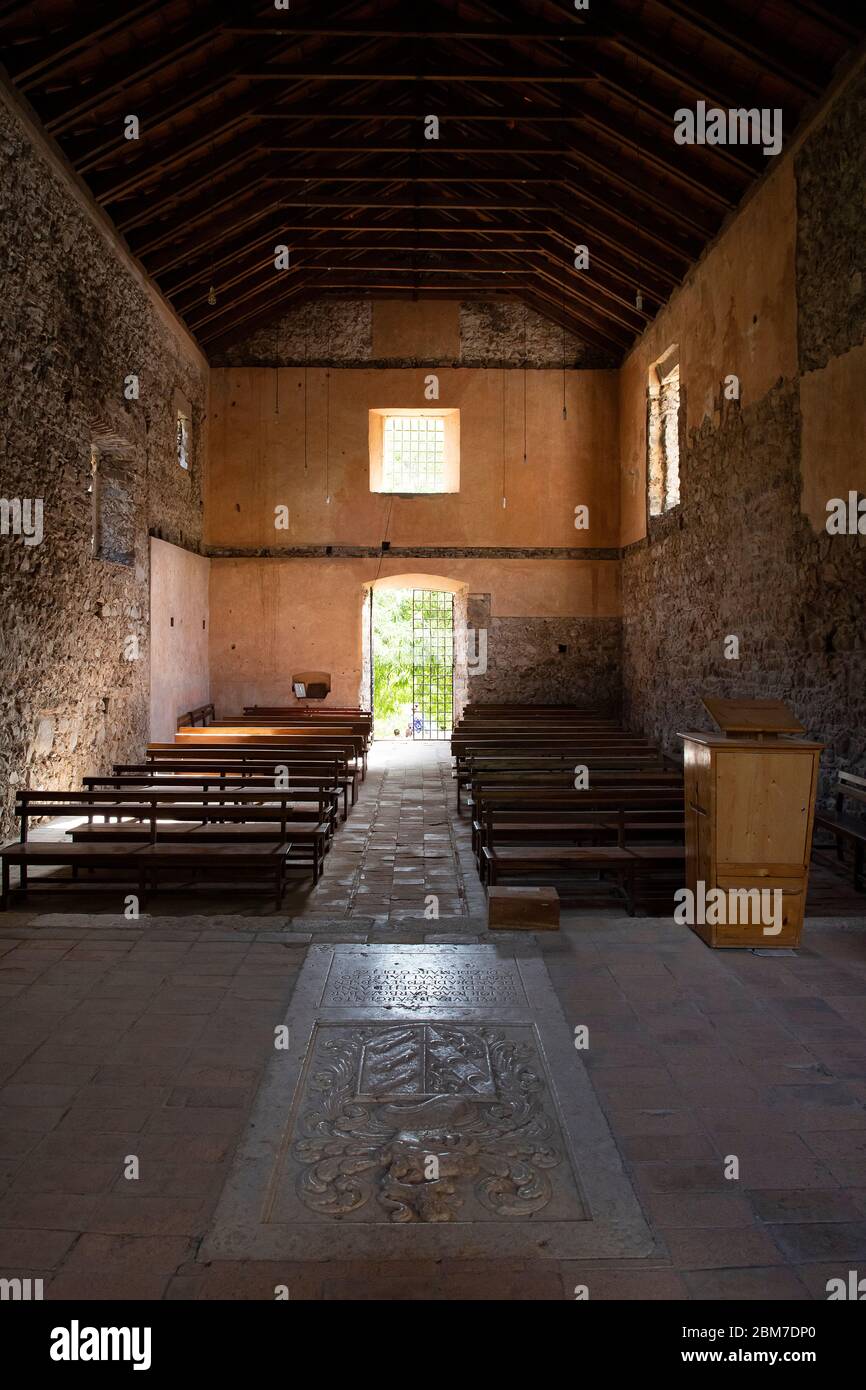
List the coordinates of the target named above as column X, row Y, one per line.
column 740, row 559
column 75, row 321
column 738, row 556
column 340, row 332
column 555, row 661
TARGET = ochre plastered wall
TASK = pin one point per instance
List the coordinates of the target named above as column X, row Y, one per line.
column 271, row 617
column 179, row 637
column 406, row 329
column 833, row 410
column 258, row 458
column 735, row 315
column 780, row 302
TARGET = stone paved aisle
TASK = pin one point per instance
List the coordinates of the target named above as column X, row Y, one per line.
column 150, row 1038
column 403, row 853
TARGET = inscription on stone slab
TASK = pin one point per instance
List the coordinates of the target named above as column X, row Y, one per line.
column 430, row 1105
column 417, row 987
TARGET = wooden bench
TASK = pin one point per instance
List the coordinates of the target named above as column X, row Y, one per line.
column 323, row 742
column 622, row 861
column 145, row 865
column 556, row 769
column 844, row 826
column 231, row 815
column 204, row 715
column 248, row 826
column 600, row 782
column 309, row 840
column 599, row 826
column 528, row 859
column 252, row 762
column 529, row 820
column 307, row 802
column 358, row 720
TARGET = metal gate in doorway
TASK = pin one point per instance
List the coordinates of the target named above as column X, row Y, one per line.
column 432, row 663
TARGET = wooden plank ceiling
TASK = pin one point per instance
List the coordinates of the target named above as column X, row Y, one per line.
column 304, row 126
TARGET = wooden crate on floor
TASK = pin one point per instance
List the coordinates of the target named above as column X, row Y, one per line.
column 523, row 909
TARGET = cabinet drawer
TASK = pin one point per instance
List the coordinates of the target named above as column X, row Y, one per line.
column 748, row 933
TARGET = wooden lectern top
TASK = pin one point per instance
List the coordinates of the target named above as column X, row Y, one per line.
column 752, row 717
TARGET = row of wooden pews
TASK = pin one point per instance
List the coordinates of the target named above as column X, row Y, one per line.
column 568, row 798
column 229, row 802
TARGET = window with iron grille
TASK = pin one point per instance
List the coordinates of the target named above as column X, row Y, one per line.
column 663, row 433
column 413, row 453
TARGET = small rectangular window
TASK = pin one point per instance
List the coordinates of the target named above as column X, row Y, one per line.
column 415, row 451
column 413, row 456
column 182, row 438
column 663, row 433
column 182, row 429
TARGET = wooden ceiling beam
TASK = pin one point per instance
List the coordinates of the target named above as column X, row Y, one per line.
column 64, row 111
column 644, row 245
column 491, row 205
column 261, row 293
column 264, row 310
column 609, row 308
column 157, row 192
column 348, row 176
column 568, row 165
column 698, row 166
column 492, row 262
column 219, row 240
column 590, row 33
column 184, row 277
column 630, row 217
column 74, row 38
column 169, row 248
column 831, row 17
column 772, row 57
column 180, row 98
column 607, row 278
column 475, row 76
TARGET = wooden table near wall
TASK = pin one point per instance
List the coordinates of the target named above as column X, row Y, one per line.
column 749, row 809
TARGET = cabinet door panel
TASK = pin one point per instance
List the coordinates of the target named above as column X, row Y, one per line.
column 762, row 806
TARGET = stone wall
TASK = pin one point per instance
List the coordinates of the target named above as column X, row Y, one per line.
column 77, row 318
column 568, row 661
column 740, row 560
column 831, row 232
column 341, row 332
column 747, row 553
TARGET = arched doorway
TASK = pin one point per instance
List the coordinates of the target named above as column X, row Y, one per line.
column 414, row 665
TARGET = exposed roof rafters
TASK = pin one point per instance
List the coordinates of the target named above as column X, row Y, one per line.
column 555, row 130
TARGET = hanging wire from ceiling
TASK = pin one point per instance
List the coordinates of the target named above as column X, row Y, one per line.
column 306, row 373
column 502, row 384
column 564, row 406
column 524, row 383
column 328, row 415
column 278, row 358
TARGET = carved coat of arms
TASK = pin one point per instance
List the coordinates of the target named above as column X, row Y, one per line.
column 415, row 1116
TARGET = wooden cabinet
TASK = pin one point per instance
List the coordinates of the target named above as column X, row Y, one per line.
column 750, row 805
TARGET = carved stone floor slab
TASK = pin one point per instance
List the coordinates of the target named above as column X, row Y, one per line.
column 428, row 1102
